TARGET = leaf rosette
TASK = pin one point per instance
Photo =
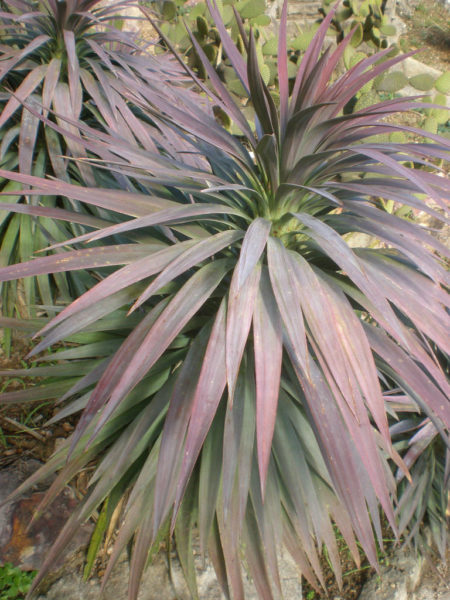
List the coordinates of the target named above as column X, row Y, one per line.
column 244, row 395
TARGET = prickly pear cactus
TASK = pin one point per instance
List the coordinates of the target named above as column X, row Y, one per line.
column 177, row 14
column 366, row 17
column 435, row 119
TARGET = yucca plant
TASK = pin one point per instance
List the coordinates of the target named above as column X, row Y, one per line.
column 235, row 376
column 63, row 61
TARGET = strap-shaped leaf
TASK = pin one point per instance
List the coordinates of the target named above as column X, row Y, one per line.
column 232, row 52
column 210, row 387
column 267, row 340
column 73, row 72
column 215, row 553
column 237, row 455
column 19, row 56
column 416, row 296
column 411, row 377
column 77, row 259
column 22, row 92
column 121, row 201
column 338, row 250
column 243, row 288
column 309, row 58
column 178, row 214
column 50, row 81
column 52, row 213
column 255, row 557
column 239, row 319
column 228, row 103
column 257, row 91
column 348, row 475
column 287, row 293
column 149, row 264
column 209, row 480
column 175, row 427
column 191, row 257
column 175, row 316
column 283, row 81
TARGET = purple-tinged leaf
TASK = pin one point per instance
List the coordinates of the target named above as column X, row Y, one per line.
column 73, row 72
column 255, row 557
column 405, row 172
column 267, row 340
column 231, row 556
column 78, row 259
column 310, row 57
column 237, row 455
column 10, row 64
column 174, row 317
column 210, row 387
column 209, row 481
column 215, row 553
column 183, row 532
column 23, row 91
column 283, row 81
column 349, row 478
column 364, row 437
column 287, row 293
column 416, row 296
column 29, row 127
column 410, row 376
column 50, row 82
column 40, row 392
column 356, row 77
column 229, row 105
column 231, row 51
column 337, row 249
column 53, row 213
column 297, row 480
column 139, row 556
column 268, row 518
column 257, row 91
column 191, row 257
column 417, row 445
column 177, row 214
column 114, row 370
column 331, row 64
column 295, row 549
column 397, row 190
column 241, row 301
column 175, row 427
column 152, row 262
column 85, row 319
column 242, row 294
column 124, row 202
column 409, row 238
column 339, row 335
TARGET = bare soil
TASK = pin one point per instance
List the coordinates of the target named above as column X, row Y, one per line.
column 23, row 429
column 428, row 30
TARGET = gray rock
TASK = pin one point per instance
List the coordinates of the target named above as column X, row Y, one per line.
column 24, row 546
column 157, row 585
column 398, row 578
column 405, row 8
column 412, row 67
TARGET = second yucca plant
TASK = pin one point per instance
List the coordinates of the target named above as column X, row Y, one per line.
column 247, row 394
column 61, row 61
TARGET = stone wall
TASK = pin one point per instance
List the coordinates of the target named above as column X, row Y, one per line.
column 298, row 10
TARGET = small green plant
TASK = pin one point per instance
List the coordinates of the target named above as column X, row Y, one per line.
column 14, row 583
